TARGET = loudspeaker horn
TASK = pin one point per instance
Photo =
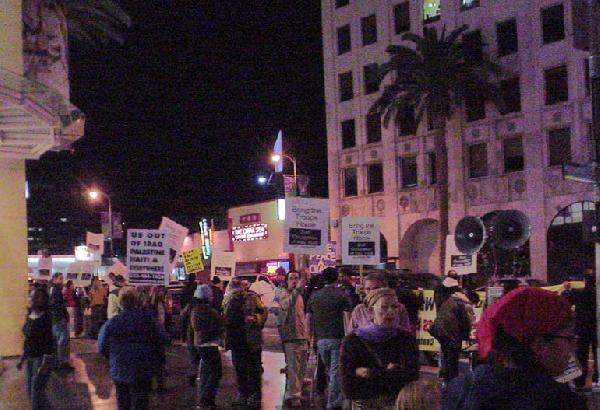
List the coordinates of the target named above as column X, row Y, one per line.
column 469, row 235
column 510, row 229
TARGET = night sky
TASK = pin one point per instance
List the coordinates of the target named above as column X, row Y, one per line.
column 181, row 118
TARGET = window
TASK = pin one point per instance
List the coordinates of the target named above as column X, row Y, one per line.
column 370, row 73
column 348, row 134
column 408, row 171
column 341, row 3
column 557, row 85
column 402, row 17
column 369, row 29
column 474, row 107
column 343, row 39
column 506, row 35
column 432, row 167
column 473, row 45
column 406, row 122
column 559, row 146
column 375, row 173
column 350, row 182
column 469, row 4
column 510, row 92
column 513, row 154
column 373, row 128
column 346, row 89
column 478, row 160
column 586, row 75
column 553, row 24
column 431, row 10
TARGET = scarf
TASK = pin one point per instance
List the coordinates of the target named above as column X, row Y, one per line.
column 373, row 333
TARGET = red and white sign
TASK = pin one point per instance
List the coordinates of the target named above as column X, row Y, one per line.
column 250, row 219
column 248, row 233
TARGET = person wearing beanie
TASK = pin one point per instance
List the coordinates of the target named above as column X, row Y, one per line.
column 378, row 359
column 207, row 326
column 527, row 340
column 325, row 313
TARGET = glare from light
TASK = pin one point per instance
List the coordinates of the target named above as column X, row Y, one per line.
column 275, row 158
column 94, row 195
column 262, row 180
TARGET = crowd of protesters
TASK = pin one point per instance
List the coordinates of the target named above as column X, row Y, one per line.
column 363, row 343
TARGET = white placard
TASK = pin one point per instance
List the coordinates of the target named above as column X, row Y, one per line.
column 148, row 257
column 95, row 244
column 458, row 261
column 306, row 226
column 176, row 236
column 360, row 241
column 81, row 272
column 222, row 264
column 44, row 270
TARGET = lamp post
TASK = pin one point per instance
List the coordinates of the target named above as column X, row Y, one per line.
column 275, row 158
column 94, row 194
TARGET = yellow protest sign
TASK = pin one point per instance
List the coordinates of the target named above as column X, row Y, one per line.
column 192, row 260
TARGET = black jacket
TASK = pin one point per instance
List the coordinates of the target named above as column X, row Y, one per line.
column 585, row 308
column 57, row 304
column 497, row 388
column 38, row 336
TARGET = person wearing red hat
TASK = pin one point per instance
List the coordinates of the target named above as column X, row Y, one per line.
column 527, row 340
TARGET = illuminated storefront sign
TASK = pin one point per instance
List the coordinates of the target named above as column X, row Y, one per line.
column 250, row 218
column 248, row 233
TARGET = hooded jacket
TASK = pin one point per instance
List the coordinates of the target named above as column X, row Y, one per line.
column 240, row 334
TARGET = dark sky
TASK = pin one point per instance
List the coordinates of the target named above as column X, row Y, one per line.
column 181, row 118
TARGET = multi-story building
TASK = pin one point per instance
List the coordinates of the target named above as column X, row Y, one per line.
column 496, row 162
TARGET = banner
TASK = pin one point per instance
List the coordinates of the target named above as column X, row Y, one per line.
column 222, row 265
column 95, row 244
column 148, row 257
column 317, row 263
column 302, row 182
column 306, row 225
column 192, row 260
column 116, row 223
column 455, row 260
column 176, row 235
column 360, row 241
column 81, row 272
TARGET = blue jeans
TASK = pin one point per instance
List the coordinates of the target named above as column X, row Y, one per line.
column 60, row 332
column 36, row 384
column 210, row 372
column 329, row 351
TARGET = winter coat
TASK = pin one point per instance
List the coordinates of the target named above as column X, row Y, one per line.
column 492, row 387
column 401, row 350
column 38, row 336
column 134, row 344
column 585, row 309
column 206, row 323
column 454, row 319
column 291, row 320
column 240, row 334
column 57, row 304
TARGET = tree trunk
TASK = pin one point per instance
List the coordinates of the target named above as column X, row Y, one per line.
column 442, row 192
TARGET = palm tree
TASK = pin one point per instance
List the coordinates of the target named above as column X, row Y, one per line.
column 436, row 78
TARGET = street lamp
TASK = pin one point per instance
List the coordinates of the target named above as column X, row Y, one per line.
column 262, row 180
column 94, row 194
column 275, row 158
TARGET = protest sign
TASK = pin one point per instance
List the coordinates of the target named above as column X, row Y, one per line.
column 175, row 236
column 222, row 265
column 360, row 241
column 81, row 272
column 148, row 257
column 95, row 244
column 117, row 226
column 457, row 261
column 306, row 225
column 44, row 267
column 316, row 263
column 192, row 260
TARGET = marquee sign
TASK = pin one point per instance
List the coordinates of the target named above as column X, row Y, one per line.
column 248, row 233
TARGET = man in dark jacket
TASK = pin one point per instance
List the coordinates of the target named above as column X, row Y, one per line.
column 132, row 342
column 60, row 322
column 217, row 294
column 584, row 301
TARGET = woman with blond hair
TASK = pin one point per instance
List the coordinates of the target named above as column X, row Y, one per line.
column 378, row 359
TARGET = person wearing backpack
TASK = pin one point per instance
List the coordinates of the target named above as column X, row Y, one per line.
column 451, row 326
column 207, row 326
column 245, row 317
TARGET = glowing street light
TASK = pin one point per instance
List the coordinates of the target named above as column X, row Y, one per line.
column 275, row 158
column 93, row 195
column 262, row 180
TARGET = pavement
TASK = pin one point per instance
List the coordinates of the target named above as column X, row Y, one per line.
column 89, row 386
